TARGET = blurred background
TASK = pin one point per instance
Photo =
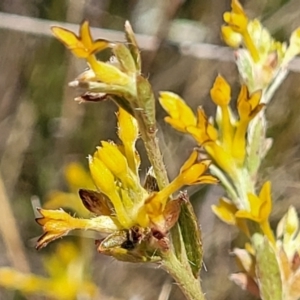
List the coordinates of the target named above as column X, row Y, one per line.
column 44, row 133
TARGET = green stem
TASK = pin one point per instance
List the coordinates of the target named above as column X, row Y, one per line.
column 189, row 285
column 178, row 267
column 150, row 140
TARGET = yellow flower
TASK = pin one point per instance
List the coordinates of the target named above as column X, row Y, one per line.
column 226, row 211
column 115, row 161
column 203, row 131
column 260, row 209
column 248, row 107
column 83, row 45
column 220, row 94
column 192, row 172
column 57, row 223
column 105, row 182
column 238, row 22
column 237, row 18
column 128, row 132
column 181, row 116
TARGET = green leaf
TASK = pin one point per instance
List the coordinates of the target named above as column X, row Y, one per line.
column 267, row 269
column 191, row 236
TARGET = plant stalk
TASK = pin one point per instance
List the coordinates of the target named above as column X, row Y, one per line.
column 179, row 270
column 188, row 284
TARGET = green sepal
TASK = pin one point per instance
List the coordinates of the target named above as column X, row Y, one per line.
column 191, row 235
column 133, row 46
column 125, row 58
column 267, row 269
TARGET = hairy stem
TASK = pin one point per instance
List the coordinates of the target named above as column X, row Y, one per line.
column 177, row 267
column 189, row 285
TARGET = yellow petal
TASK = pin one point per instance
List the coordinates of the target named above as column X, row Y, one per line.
column 85, row 35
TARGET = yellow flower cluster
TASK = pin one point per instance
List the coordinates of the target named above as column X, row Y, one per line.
column 120, row 201
column 262, row 58
column 226, row 145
